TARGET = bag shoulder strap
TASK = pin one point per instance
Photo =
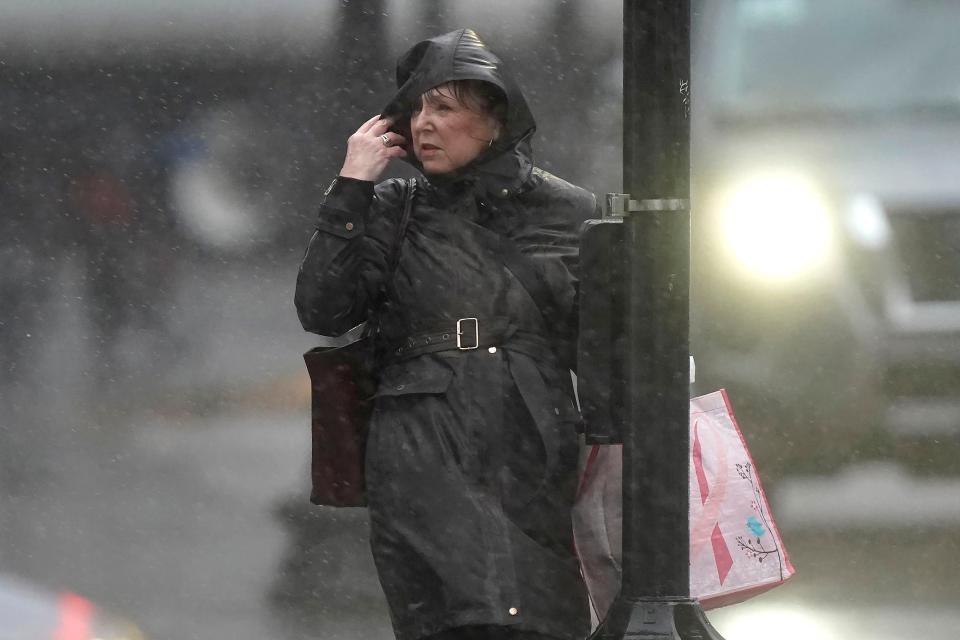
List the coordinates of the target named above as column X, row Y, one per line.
column 393, row 259
column 524, row 270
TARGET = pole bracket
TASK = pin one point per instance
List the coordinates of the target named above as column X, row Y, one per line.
column 621, row 204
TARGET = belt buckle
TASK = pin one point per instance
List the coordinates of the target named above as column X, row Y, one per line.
column 460, row 332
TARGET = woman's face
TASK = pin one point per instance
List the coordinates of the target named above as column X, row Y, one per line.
column 448, row 134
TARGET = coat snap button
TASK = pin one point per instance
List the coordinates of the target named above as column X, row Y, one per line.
column 400, row 387
column 492, row 349
column 505, row 192
column 556, row 410
column 513, row 611
column 349, row 226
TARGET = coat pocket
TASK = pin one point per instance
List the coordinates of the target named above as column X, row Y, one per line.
column 417, row 376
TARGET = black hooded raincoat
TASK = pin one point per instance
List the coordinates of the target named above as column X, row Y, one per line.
column 471, row 458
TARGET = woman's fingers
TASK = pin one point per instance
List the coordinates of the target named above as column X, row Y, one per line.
column 381, row 125
column 375, row 125
column 368, row 124
column 393, row 145
column 392, row 139
column 371, row 148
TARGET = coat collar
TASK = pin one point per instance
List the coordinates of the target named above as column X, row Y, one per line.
column 499, row 177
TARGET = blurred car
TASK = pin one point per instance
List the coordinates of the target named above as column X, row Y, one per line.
column 29, row 612
column 826, row 227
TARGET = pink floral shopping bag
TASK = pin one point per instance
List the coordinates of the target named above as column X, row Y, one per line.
column 736, row 551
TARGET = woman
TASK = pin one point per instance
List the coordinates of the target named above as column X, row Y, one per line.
column 471, row 458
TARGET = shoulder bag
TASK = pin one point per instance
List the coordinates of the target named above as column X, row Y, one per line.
column 342, row 382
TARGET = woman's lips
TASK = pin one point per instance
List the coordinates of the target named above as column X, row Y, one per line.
column 428, row 149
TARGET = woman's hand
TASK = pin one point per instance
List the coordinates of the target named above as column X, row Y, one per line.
column 371, row 148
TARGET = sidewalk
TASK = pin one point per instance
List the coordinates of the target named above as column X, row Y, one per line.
column 174, row 492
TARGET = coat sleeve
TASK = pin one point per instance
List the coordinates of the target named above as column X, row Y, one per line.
column 345, row 261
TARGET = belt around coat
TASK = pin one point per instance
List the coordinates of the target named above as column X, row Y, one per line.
column 469, row 334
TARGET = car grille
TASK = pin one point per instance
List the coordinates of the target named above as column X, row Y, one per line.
column 928, row 245
column 923, row 378
column 923, row 399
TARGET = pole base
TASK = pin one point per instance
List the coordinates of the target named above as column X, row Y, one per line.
column 656, row 619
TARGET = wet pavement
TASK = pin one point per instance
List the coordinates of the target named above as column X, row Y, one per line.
column 177, row 496
column 173, row 491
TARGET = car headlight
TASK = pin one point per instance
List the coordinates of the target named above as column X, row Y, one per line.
column 777, row 226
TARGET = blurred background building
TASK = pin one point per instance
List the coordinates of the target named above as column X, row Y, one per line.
column 160, row 166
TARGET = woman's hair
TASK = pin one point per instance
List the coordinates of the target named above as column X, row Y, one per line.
column 477, row 95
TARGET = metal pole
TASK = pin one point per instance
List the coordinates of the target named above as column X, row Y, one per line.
column 656, row 168
column 655, row 599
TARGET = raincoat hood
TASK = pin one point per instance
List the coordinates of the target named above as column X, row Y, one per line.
column 462, row 55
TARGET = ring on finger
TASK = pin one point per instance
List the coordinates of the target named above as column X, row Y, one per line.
column 386, row 140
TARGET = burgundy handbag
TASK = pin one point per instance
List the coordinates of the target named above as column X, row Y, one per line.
column 342, row 383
